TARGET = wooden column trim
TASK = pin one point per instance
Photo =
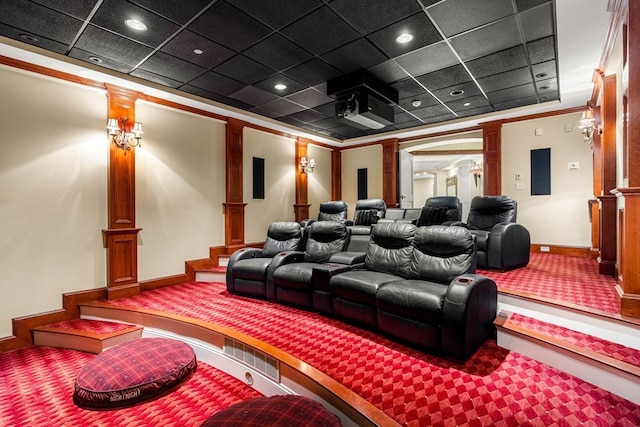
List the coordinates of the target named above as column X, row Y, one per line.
column 301, row 206
column 234, row 206
column 336, row 174
column 121, row 237
column 390, row 149
column 492, row 157
column 633, row 94
column 629, row 251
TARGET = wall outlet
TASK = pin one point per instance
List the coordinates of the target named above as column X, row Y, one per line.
column 519, row 185
column 544, row 248
column 568, row 127
column 573, row 165
column 538, row 131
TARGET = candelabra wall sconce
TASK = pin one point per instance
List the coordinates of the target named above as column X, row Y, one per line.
column 121, row 137
column 476, row 170
column 307, row 165
column 586, row 124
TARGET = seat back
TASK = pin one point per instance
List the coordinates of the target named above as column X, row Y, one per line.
column 390, row 248
column 442, row 253
column 335, row 210
column 487, row 211
column 324, row 239
column 282, row 236
column 368, row 211
column 452, row 203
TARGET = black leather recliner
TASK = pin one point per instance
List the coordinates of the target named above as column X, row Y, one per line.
column 367, row 213
column 452, row 204
column 334, row 210
column 247, row 267
column 501, row 243
column 291, row 278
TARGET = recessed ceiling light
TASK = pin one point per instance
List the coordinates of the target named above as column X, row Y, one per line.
column 198, row 51
column 29, row 38
column 404, row 38
column 95, row 59
column 456, row 92
column 466, row 104
column 541, row 75
column 134, row 24
column 416, row 103
column 280, row 86
column 544, row 87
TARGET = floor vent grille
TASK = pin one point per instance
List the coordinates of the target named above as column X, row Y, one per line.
column 252, row 357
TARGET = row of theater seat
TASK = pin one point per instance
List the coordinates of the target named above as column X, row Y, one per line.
column 415, row 284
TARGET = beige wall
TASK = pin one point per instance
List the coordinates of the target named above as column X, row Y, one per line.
column 369, row 157
column 319, row 182
column 53, row 192
column 279, row 182
column 561, row 218
column 180, row 189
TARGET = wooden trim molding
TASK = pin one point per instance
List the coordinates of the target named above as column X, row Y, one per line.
column 390, row 149
column 492, row 157
column 336, row 174
column 629, row 252
column 560, row 249
column 301, row 205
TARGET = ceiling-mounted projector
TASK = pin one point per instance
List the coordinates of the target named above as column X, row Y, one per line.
column 363, row 99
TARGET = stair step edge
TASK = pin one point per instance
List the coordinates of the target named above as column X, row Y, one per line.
column 87, row 334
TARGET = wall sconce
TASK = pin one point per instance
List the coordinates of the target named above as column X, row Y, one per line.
column 307, row 165
column 586, row 124
column 476, row 170
column 120, row 137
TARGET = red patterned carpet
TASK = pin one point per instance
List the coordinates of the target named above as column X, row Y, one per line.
column 568, row 279
column 36, row 387
column 494, row 387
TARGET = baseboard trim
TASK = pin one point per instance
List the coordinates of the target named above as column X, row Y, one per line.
column 561, row 250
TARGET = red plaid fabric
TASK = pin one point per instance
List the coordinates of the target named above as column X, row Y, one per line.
column 133, row 372
column 274, row 411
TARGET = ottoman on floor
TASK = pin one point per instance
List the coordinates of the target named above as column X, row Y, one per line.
column 133, row 372
column 274, row 411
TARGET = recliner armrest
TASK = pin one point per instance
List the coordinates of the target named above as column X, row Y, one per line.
column 455, row 223
column 469, row 310
column 286, row 257
column 347, row 258
column 509, row 246
column 240, row 254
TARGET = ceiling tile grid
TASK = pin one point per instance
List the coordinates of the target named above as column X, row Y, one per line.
column 466, row 57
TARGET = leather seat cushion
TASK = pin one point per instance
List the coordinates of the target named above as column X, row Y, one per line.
column 251, row 269
column 294, row 276
column 360, row 286
column 413, row 299
column 482, row 240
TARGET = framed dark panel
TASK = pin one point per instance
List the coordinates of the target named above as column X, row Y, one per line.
column 258, row 178
column 541, row 172
column 362, row 184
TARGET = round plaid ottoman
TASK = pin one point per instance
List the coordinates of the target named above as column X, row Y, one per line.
column 133, row 372
column 274, row 411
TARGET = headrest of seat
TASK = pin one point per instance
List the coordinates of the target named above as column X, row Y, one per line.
column 393, row 235
column 486, row 211
column 334, row 206
column 450, row 202
column 284, row 230
column 378, row 204
column 326, row 231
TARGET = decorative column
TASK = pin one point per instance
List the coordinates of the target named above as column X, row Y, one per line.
column 336, row 174
column 121, row 236
column 234, row 205
column 492, row 157
column 390, row 149
column 301, row 207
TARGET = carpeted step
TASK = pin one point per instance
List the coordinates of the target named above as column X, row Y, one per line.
column 211, row 274
column 85, row 334
column 593, row 359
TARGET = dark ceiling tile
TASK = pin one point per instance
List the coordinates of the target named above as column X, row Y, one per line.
column 445, row 95
column 166, row 65
column 313, row 72
column 320, row 31
column 542, row 50
column 307, row 116
column 515, row 103
column 549, row 96
column 428, row 59
column 183, row 46
column 244, row 69
column 269, row 84
column 527, row 4
column 486, row 40
column 282, row 107
column 33, row 39
column 278, row 53
column 38, row 21
column 388, row 71
column 473, row 102
column 547, row 86
column 451, row 20
column 475, row 111
column 508, row 59
column 253, row 96
column 168, row 8
column 329, row 122
column 77, row 8
column 407, row 88
column 216, row 83
column 444, row 78
column 152, row 77
column 104, row 62
column 107, row 45
column 112, row 14
column 439, row 119
column 544, row 70
column 200, row 92
column 425, row 99
column 229, row 27
column 513, row 93
column 276, row 13
column 403, row 117
column 291, row 120
column 375, row 14
column 537, row 22
column 328, row 109
column 236, row 103
column 309, row 98
column 423, row 31
column 357, row 55
column 510, row 78
column 433, row 111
